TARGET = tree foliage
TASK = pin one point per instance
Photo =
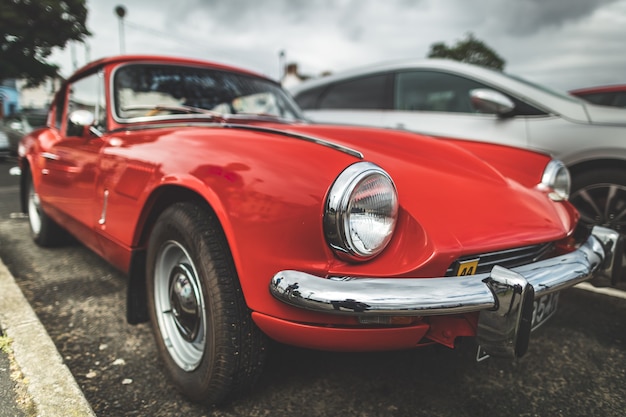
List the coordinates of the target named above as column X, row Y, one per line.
column 31, row 29
column 470, row 50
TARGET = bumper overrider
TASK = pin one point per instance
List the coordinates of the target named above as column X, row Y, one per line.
column 504, row 297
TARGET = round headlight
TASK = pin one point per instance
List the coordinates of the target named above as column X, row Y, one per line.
column 361, row 211
column 556, row 177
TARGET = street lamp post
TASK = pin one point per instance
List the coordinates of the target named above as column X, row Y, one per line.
column 281, row 65
column 120, row 11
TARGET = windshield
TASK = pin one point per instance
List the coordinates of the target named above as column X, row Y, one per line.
column 159, row 91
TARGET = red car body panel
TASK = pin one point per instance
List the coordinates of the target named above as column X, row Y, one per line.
column 269, row 189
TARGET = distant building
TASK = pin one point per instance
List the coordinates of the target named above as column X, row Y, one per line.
column 9, row 98
column 38, row 97
column 15, row 96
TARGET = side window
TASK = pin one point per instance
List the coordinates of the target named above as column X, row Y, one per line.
column 433, row 91
column 362, row 93
column 620, row 99
column 87, row 94
column 309, row 99
column 603, row 99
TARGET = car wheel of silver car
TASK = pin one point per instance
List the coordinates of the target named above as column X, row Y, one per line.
column 44, row 230
column 203, row 329
column 600, row 197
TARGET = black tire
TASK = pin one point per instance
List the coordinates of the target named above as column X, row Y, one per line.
column 600, row 197
column 211, row 348
column 44, row 231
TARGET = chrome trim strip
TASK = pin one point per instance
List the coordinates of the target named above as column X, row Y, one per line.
column 312, row 139
column 105, row 202
column 50, row 156
column 287, row 133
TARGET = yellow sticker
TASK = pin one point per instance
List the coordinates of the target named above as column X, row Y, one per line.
column 467, row 267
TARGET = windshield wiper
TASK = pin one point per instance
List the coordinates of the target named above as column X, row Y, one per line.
column 153, row 110
column 267, row 117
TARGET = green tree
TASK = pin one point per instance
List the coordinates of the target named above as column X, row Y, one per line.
column 31, row 29
column 470, row 50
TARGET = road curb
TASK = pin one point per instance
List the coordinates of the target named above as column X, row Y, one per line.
column 49, row 382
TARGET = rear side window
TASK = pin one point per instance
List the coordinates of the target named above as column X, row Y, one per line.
column 373, row 92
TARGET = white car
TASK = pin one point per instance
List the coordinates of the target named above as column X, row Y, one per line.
column 451, row 99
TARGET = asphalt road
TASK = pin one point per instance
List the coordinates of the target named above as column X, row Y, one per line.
column 575, row 366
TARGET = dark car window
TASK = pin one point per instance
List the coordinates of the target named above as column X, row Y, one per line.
column 443, row 92
column 434, row 91
column 372, row 92
column 616, row 99
column 310, row 99
column 36, row 119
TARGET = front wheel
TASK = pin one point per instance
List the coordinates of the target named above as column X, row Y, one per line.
column 211, row 348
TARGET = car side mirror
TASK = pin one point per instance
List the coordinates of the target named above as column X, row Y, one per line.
column 84, row 119
column 490, row 101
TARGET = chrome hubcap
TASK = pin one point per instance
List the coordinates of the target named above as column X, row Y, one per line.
column 179, row 304
column 602, row 204
column 184, row 302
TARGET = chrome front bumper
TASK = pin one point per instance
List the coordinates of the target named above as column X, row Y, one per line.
column 504, row 297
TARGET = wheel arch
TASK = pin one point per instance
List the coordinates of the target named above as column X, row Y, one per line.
column 160, row 199
column 595, row 164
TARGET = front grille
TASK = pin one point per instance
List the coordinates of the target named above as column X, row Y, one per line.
column 508, row 258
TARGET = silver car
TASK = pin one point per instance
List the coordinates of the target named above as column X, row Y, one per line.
column 456, row 100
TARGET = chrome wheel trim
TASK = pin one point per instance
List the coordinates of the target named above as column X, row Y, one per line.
column 34, row 210
column 602, row 204
column 179, row 306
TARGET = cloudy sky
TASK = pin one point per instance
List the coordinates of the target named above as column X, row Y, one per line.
column 563, row 44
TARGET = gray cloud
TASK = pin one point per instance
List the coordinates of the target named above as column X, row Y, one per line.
column 525, row 17
column 543, row 39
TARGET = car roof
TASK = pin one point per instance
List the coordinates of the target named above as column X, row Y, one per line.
column 118, row 59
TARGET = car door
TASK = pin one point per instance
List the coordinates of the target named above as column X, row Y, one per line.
column 438, row 103
column 70, row 163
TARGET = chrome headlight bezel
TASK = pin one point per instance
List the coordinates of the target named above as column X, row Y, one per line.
column 556, row 177
column 361, row 212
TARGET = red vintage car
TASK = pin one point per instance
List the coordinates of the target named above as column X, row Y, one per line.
column 238, row 222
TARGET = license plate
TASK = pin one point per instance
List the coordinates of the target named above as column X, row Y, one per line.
column 544, row 308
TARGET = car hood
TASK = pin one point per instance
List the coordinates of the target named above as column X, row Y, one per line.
column 455, row 196
column 606, row 115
